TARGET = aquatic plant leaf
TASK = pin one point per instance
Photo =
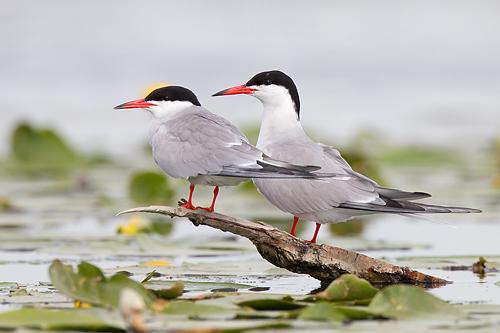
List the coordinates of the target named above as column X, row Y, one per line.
column 89, row 285
column 322, row 311
column 353, row 227
column 271, row 304
column 90, row 271
column 195, row 285
column 58, row 320
column 150, row 188
column 405, row 301
column 42, row 147
column 170, row 293
column 350, row 289
column 193, row 309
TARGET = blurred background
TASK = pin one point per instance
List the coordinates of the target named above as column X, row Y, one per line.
column 409, row 91
column 416, row 72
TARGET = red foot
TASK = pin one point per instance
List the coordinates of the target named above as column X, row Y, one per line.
column 208, row 209
column 188, row 205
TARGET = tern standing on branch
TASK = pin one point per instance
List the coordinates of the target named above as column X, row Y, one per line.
column 190, row 142
column 322, row 201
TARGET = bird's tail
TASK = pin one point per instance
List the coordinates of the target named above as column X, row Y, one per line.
column 407, row 207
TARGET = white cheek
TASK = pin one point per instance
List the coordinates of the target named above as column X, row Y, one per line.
column 169, row 108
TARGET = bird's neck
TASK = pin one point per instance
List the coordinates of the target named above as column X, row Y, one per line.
column 279, row 121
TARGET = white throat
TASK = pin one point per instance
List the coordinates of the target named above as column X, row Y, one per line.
column 168, row 109
column 280, row 118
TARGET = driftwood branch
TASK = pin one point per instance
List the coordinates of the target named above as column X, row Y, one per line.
column 323, row 262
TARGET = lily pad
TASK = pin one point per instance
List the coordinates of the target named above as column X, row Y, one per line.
column 349, row 289
column 196, row 285
column 58, row 320
column 322, row 311
column 404, row 301
column 150, row 188
column 90, row 285
column 272, row 304
column 191, row 309
column 41, row 147
column 170, row 293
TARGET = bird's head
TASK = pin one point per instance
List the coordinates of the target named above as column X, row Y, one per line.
column 272, row 88
column 163, row 101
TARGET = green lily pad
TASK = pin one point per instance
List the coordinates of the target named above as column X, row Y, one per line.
column 193, row 309
column 350, row 228
column 170, row 293
column 349, row 289
column 89, row 284
column 272, row 304
column 57, row 320
column 8, row 285
column 41, row 147
column 404, row 301
column 150, row 188
column 322, row 311
column 196, row 285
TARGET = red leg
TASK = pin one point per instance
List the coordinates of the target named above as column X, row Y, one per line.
column 295, row 222
column 189, row 204
column 212, row 206
column 313, row 240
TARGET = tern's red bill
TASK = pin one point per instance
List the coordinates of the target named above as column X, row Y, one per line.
column 236, row 91
column 137, row 104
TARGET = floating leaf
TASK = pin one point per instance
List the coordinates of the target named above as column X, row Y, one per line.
column 170, row 293
column 57, row 320
column 42, row 147
column 150, row 188
column 195, row 285
column 350, row 228
column 8, row 285
column 404, row 301
column 350, row 289
column 271, row 304
column 6, row 205
column 322, row 311
column 192, row 309
column 89, row 285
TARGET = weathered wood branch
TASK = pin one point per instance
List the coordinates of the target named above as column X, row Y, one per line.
column 321, row 261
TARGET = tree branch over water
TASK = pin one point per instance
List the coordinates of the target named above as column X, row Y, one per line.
column 321, row 261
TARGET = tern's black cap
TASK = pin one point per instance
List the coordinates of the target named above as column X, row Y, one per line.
column 173, row 93
column 280, row 79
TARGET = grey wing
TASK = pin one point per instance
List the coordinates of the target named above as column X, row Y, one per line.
column 202, row 143
column 304, row 196
column 391, row 200
column 356, row 192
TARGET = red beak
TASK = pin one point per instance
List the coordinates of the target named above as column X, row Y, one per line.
column 137, row 104
column 236, row 91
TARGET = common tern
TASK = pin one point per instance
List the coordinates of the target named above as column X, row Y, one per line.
column 190, row 142
column 322, row 201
